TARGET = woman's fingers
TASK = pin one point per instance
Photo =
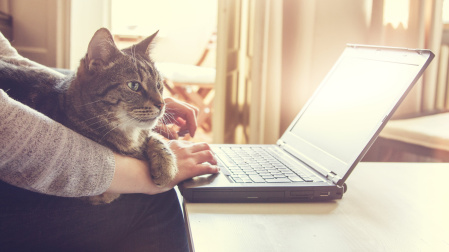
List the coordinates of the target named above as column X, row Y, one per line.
column 184, row 111
column 196, row 147
column 167, row 132
column 205, row 156
column 193, row 159
column 203, row 169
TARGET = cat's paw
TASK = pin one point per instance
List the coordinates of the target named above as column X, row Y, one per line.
column 162, row 162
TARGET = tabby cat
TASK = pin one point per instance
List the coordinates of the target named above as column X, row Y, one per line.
column 114, row 98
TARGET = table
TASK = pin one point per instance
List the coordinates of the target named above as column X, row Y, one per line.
column 388, row 207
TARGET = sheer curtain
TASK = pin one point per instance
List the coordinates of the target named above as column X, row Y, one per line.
column 271, row 56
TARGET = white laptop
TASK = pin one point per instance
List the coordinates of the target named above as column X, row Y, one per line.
column 324, row 143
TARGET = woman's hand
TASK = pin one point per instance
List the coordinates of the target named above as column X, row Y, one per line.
column 133, row 175
column 193, row 159
column 180, row 114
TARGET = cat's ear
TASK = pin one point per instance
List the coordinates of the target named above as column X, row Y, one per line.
column 144, row 46
column 101, row 50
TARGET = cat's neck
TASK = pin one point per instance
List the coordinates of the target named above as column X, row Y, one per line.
column 103, row 127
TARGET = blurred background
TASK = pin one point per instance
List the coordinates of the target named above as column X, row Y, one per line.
column 250, row 65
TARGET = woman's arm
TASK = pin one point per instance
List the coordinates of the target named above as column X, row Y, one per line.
column 39, row 154
column 133, row 176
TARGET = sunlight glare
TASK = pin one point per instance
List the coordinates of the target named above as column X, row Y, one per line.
column 446, row 12
column 396, row 12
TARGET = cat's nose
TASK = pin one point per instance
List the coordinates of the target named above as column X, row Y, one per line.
column 160, row 105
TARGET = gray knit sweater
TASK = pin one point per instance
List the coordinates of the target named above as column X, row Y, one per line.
column 39, row 154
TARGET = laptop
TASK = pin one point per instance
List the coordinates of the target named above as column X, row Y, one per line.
column 327, row 139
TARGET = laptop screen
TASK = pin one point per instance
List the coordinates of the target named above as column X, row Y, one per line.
column 351, row 105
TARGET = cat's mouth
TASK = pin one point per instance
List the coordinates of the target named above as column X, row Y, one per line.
column 142, row 122
column 145, row 114
column 145, row 117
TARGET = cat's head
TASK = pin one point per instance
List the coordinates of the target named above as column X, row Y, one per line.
column 124, row 85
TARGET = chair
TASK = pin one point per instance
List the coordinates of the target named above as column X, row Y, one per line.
column 193, row 84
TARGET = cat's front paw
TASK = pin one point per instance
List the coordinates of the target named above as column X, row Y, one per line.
column 162, row 162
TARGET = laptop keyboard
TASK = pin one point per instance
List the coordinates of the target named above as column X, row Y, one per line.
column 257, row 165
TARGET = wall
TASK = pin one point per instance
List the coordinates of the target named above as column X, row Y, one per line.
column 56, row 32
column 184, row 26
column 86, row 17
column 315, row 33
column 39, row 28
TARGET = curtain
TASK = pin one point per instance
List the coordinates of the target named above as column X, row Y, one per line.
column 272, row 55
column 421, row 27
column 265, row 71
column 248, row 90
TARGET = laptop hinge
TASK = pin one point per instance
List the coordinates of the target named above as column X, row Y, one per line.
column 280, row 143
column 332, row 176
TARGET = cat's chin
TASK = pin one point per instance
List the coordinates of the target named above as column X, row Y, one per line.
column 131, row 125
column 147, row 124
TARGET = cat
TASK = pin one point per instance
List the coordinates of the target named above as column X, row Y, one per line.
column 115, row 98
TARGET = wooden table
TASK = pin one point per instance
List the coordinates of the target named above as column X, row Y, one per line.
column 388, row 207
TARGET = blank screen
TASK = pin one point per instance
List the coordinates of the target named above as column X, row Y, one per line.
column 352, row 104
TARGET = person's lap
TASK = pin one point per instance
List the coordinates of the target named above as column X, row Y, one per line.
column 134, row 222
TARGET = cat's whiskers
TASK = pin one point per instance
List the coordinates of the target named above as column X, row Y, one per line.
column 118, row 125
column 102, row 122
column 103, row 118
column 102, row 126
column 108, row 124
column 168, row 113
column 89, row 103
column 97, row 116
column 168, row 119
column 164, row 128
column 168, row 110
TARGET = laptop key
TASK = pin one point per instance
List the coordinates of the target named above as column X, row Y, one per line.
column 228, row 162
column 296, row 179
column 251, row 172
column 307, row 179
column 257, row 178
column 237, row 179
column 243, row 176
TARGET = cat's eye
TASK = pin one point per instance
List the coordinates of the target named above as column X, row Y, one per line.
column 134, row 86
column 159, row 85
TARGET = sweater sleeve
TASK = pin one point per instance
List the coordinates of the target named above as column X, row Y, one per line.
column 41, row 155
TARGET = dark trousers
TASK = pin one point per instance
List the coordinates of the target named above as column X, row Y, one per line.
column 135, row 222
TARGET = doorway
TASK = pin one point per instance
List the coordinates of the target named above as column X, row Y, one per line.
column 182, row 50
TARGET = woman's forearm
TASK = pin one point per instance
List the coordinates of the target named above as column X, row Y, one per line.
column 39, row 154
column 132, row 176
